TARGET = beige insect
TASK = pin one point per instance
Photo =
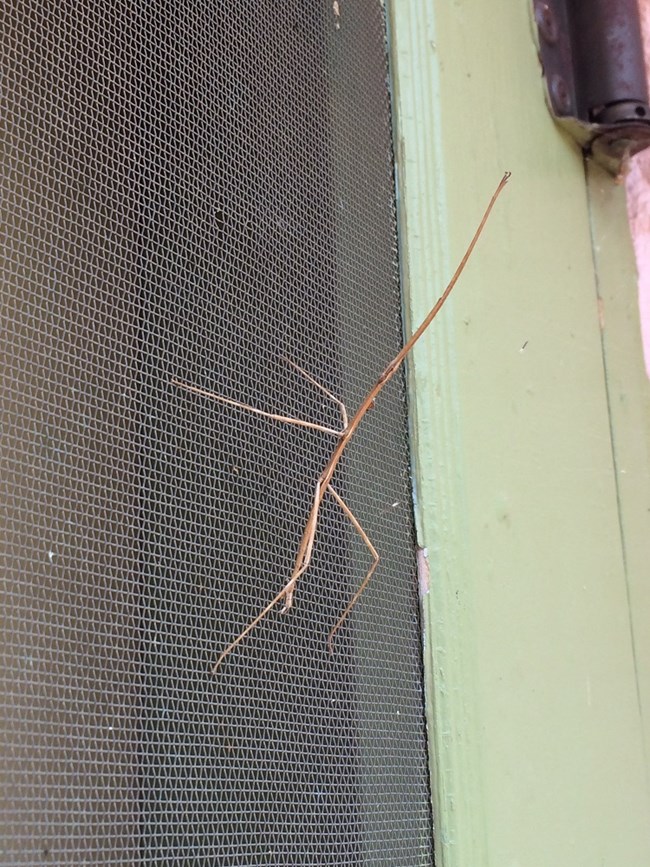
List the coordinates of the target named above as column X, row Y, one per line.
column 348, row 428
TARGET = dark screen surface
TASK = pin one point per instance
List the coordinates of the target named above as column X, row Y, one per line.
column 198, row 190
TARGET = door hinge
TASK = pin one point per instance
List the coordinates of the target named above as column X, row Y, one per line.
column 594, row 69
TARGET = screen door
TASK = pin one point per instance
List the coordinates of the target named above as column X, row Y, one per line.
column 201, row 190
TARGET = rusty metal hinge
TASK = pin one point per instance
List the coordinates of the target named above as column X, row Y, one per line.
column 593, row 65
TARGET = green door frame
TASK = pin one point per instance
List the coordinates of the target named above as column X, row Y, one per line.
column 530, row 421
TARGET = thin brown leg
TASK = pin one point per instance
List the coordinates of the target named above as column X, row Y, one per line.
column 310, row 378
column 303, row 559
column 248, row 629
column 275, row 417
column 373, row 551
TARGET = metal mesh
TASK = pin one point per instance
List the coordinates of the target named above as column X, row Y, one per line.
column 196, row 190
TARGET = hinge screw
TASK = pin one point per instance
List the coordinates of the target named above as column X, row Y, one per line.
column 546, row 22
column 560, row 94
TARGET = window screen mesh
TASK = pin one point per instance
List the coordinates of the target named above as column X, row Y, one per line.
column 198, row 190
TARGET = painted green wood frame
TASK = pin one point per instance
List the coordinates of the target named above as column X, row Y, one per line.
column 530, row 417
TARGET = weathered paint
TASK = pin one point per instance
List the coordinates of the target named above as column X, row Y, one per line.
column 535, row 640
column 638, row 192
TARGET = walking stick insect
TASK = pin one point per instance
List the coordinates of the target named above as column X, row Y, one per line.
column 348, row 428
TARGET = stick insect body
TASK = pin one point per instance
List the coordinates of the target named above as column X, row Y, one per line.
column 349, row 427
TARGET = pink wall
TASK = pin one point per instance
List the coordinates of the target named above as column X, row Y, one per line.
column 638, row 206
